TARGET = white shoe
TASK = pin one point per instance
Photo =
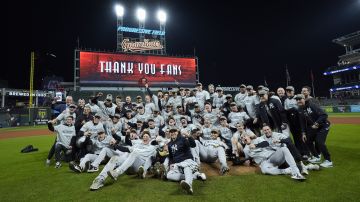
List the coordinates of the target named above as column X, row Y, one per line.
column 327, row 164
column 97, row 184
column 315, row 159
column 58, row 165
column 201, row 176
column 304, row 169
column 47, row 162
column 298, row 177
column 312, row 166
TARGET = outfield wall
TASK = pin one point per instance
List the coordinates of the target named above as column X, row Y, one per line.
column 342, row 108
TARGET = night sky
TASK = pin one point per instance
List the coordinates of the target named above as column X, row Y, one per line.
column 256, row 38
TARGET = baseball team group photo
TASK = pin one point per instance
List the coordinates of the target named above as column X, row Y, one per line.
column 180, row 100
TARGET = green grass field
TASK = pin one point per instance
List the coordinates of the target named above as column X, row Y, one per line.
column 24, row 177
column 353, row 114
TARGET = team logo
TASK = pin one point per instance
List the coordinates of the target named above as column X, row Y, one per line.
column 174, row 148
column 271, row 106
column 42, row 114
column 309, row 111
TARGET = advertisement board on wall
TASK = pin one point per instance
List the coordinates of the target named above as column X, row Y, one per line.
column 109, row 69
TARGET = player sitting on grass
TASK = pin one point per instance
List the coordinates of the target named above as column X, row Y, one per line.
column 101, row 150
column 65, row 137
column 211, row 150
column 270, row 157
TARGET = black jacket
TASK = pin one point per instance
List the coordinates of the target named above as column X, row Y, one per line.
column 277, row 111
column 179, row 149
column 310, row 114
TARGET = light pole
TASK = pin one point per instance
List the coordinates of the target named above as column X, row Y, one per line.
column 141, row 15
column 119, row 10
column 161, row 15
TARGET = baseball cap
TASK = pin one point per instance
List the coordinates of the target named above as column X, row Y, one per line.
column 179, row 106
column 127, row 111
column 117, row 116
column 260, row 87
column 109, row 97
column 72, row 106
column 262, row 92
column 242, row 86
column 97, row 115
column 195, row 89
column 139, row 106
column 219, row 88
column 196, row 105
column 138, row 97
column 291, row 88
column 250, row 87
column 299, row 97
column 199, row 84
column 214, row 131
column 223, row 118
column 233, row 104
column 228, row 96
column 266, row 89
column 186, row 89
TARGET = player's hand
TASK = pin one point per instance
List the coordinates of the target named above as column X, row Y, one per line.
column 247, row 163
column 315, row 126
column 112, row 141
column 303, row 138
column 283, row 126
column 86, row 134
column 252, row 146
column 255, row 121
column 146, row 85
column 276, row 141
column 113, row 131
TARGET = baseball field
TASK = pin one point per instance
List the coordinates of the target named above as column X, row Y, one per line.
column 24, row 177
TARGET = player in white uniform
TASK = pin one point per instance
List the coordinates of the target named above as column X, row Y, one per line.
column 91, row 161
column 113, row 126
column 65, row 138
column 139, row 158
column 213, row 149
column 206, row 129
column 240, row 96
column 107, row 108
column 219, row 99
column 235, row 116
column 238, row 141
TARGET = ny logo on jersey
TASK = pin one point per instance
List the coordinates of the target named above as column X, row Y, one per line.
column 309, row 111
column 174, row 148
column 271, row 106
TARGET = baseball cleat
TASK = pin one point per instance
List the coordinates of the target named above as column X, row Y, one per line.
column 185, row 186
column 97, row 184
column 47, row 162
column 58, row 165
column 74, row 167
column 326, row 164
column 93, row 169
column 312, row 166
column 201, row 176
column 141, row 172
column 298, row 177
column 286, row 171
column 314, row 159
column 113, row 174
column 224, row 170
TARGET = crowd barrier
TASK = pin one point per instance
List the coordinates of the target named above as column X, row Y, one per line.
column 342, row 108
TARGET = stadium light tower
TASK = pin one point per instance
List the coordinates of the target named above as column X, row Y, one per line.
column 141, row 15
column 119, row 10
column 161, row 15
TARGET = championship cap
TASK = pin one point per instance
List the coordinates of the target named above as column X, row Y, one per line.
column 219, row 88
column 291, row 88
column 72, row 106
column 242, row 86
column 117, row 116
column 262, row 92
column 299, row 97
column 138, row 97
column 228, row 96
column 109, row 97
column 249, row 87
column 173, row 130
column 97, row 115
column 214, row 131
column 198, row 84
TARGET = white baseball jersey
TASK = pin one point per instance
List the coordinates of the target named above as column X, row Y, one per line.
column 236, row 117
column 175, row 101
column 225, row 132
column 149, row 108
column 62, row 117
column 98, row 145
column 110, row 125
column 154, row 132
column 92, row 129
column 239, row 99
column 207, row 132
column 202, row 96
column 219, row 101
column 142, row 117
column 290, row 103
column 159, row 120
column 250, row 102
column 64, row 134
column 106, row 111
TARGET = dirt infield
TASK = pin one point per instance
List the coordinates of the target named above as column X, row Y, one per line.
column 24, row 133
column 214, row 169
column 344, row 120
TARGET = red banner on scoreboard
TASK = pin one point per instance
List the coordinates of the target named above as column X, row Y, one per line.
column 128, row 70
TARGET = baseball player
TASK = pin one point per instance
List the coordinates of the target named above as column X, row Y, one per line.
column 182, row 165
column 236, row 116
column 113, row 126
column 238, row 142
column 213, row 149
column 91, row 161
column 240, row 96
column 219, row 99
column 107, row 108
column 271, row 157
column 65, row 138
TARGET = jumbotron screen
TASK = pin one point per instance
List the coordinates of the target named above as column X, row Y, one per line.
column 113, row 69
